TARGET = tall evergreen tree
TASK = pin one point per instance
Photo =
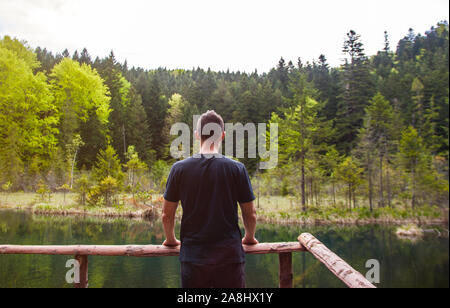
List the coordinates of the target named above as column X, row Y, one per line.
column 358, row 89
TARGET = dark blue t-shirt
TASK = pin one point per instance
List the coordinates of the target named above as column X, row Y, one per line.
column 210, row 188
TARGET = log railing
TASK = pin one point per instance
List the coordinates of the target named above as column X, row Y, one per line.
column 307, row 242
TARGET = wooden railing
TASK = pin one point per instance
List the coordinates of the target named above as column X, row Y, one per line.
column 306, row 242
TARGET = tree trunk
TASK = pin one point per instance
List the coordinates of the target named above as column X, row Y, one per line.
column 388, row 180
column 124, row 140
column 334, row 194
column 413, row 198
column 369, row 174
column 317, row 194
column 381, row 182
column 73, row 167
column 388, row 183
column 303, row 183
column 349, row 196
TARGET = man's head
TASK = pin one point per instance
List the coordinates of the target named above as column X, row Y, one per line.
column 210, row 125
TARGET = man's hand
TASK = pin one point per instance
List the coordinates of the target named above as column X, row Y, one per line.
column 249, row 241
column 172, row 243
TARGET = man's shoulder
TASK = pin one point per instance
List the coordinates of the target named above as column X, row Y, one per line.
column 234, row 162
column 179, row 165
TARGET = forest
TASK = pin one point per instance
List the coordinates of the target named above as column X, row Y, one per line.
column 370, row 133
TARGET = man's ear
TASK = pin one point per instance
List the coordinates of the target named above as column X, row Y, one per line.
column 197, row 136
column 224, row 134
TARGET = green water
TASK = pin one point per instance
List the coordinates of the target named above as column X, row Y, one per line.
column 403, row 263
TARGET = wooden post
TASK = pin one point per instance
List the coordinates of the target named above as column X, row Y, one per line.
column 83, row 261
column 285, row 273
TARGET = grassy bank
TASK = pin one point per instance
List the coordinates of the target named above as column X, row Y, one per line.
column 284, row 210
column 275, row 209
column 68, row 205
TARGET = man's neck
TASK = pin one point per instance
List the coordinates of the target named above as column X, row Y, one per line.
column 209, row 152
column 205, row 150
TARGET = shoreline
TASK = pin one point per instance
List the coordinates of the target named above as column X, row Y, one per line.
column 354, row 222
column 152, row 214
column 134, row 215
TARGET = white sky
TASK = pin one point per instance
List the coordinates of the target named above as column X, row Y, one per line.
column 220, row 34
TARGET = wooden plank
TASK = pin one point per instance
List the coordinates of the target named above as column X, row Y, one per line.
column 336, row 265
column 136, row 250
column 285, row 273
column 266, row 248
column 83, row 262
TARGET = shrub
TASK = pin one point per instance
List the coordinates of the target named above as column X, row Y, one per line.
column 6, row 188
column 65, row 189
column 82, row 187
column 104, row 193
column 44, row 192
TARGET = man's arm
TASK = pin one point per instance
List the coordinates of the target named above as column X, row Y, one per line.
column 249, row 218
column 168, row 219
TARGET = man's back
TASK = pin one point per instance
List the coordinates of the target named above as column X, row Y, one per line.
column 210, row 187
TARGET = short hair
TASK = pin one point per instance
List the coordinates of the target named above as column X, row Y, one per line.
column 209, row 117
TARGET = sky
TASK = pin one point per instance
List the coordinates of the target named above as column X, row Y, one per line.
column 239, row 35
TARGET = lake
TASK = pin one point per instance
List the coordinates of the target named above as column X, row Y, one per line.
column 403, row 263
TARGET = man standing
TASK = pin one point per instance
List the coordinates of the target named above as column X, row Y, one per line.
column 210, row 186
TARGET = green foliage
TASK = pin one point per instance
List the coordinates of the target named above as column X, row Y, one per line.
column 426, row 184
column 6, row 188
column 159, row 172
column 27, row 113
column 77, row 89
column 109, row 187
column 21, row 50
column 412, row 152
column 340, row 127
column 104, row 194
column 128, row 124
column 95, row 197
column 358, row 88
column 82, row 187
column 65, row 188
column 376, row 142
column 44, row 193
column 135, row 168
column 350, row 173
column 72, row 152
column 108, row 165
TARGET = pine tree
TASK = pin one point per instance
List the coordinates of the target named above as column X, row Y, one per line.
column 301, row 129
column 134, row 168
column 108, row 165
column 85, row 57
column 358, row 89
column 376, row 139
column 156, row 107
column 350, row 173
column 412, row 156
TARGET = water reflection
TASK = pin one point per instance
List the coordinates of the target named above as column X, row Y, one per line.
column 403, row 263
